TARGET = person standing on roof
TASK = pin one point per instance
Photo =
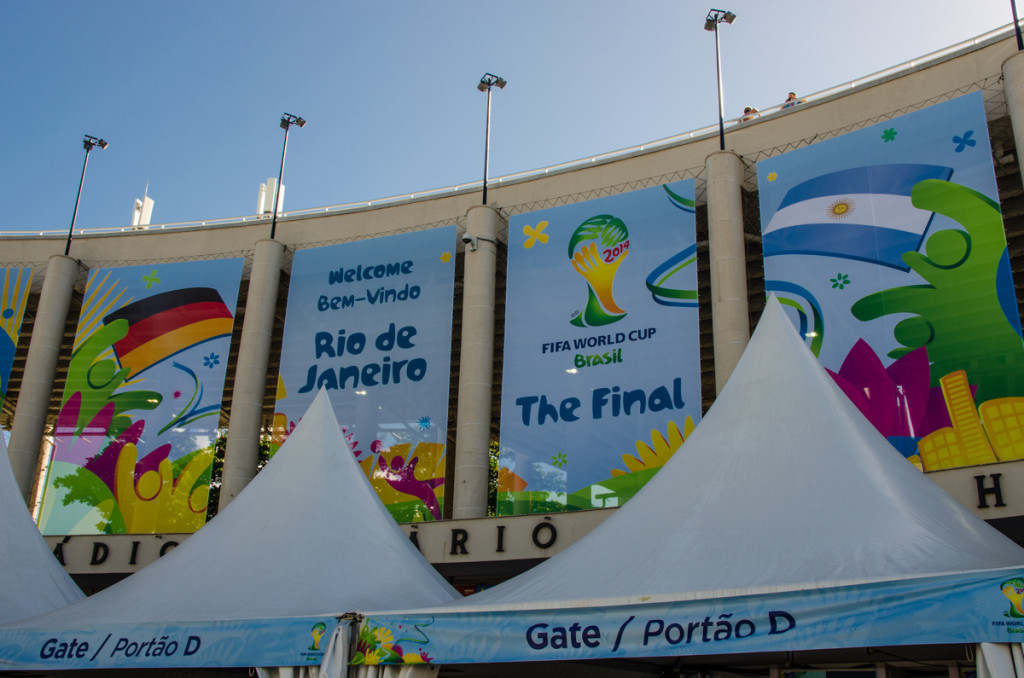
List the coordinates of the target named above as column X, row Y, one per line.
column 791, row 100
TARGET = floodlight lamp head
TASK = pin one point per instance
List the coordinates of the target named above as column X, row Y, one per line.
column 90, row 142
column 489, row 80
column 288, row 120
column 717, row 16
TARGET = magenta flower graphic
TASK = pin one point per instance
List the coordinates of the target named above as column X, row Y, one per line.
column 402, row 476
column 898, row 400
column 93, row 450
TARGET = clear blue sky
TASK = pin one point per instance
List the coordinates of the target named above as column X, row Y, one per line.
column 189, row 93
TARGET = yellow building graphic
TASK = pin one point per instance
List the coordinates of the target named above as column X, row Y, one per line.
column 992, row 432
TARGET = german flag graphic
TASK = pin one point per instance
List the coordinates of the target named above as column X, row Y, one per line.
column 166, row 324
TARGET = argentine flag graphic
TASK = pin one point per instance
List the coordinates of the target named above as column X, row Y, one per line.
column 863, row 213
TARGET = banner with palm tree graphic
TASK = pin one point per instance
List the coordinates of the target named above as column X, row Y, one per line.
column 133, row 444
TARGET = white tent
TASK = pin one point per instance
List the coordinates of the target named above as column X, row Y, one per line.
column 260, row 585
column 31, row 579
column 786, row 522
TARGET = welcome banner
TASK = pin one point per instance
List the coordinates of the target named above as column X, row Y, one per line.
column 963, row 608
column 370, row 322
column 13, row 299
column 886, row 246
column 601, row 377
column 133, row 445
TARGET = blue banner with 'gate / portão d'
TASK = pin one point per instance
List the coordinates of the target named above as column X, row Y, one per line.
column 962, row 608
column 297, row 641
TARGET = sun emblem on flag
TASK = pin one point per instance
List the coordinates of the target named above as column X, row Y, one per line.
column 840, row 209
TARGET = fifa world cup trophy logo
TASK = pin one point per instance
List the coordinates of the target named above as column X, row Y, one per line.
column 318, row 631
column 597, row 247
column 1013, row 589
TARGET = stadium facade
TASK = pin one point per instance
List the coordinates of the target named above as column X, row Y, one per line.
column 465, row 545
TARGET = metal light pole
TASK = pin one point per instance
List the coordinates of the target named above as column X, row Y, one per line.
column 489, row 80
column 89, row 143
column 715, row 17
column 1016, row 26
column 287, row 120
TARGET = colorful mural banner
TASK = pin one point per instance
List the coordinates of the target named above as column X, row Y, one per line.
column 962, row 608
column 602, row 366
column 291, row 641
column 133, row 445
column 886, row 246
column 370, row 321
column 13, row 299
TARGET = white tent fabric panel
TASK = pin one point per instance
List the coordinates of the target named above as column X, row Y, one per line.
column 31, row 580
column 785, row 522
column 307, row 536
column 1000, row 660
column 290, row 672
column 783, row 486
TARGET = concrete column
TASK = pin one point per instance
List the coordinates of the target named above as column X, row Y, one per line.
column 1013, row 88
column 729, row 313
column 45, row 451
column 242, row 453
column 473, row 419
column 40, row 369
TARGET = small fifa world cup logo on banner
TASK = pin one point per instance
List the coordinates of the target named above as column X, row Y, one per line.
column 596, row 250
column 318, row 631
column 1013, row 589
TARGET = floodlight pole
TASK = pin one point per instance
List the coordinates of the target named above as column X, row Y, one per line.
column 715, row 17
column 486, row 83
column 287, row 120
column 1016, row 26
column 88, row 143
column 721, row 95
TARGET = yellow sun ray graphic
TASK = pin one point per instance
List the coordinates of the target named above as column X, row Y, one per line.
column 842, row 208
column 101, row 299
column 14, row 296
